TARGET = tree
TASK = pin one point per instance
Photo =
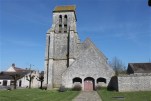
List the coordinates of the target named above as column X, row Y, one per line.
column 29, row 78
column 118, row 66
column 15, row 78
column 41, row 79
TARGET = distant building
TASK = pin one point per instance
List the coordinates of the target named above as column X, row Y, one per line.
column 68, row 61
column 139, row 68
column 137, row 79
column 7, row 80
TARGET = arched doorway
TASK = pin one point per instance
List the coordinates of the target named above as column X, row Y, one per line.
column 77, row 80
column 101, row 81
column 89, row 84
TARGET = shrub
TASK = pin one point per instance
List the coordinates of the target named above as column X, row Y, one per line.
column 98, row 87
column 77, row 88
column 44, row 88
column 62, row 89
column 9, row 88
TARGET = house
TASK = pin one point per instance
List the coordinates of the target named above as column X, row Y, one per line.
column 139, row 68
column 7, row 80
column 68, row 61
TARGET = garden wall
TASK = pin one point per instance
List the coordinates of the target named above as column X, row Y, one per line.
column 134, row 83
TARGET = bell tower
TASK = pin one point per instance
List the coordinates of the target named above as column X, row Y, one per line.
column 61, row 45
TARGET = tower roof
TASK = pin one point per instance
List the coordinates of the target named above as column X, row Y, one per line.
column 65, row 8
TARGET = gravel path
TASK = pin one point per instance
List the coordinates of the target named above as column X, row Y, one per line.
column 88, row 96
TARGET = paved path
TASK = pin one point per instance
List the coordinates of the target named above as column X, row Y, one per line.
column 88, row 96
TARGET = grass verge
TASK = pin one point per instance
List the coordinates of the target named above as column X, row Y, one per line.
column 124, row 96
column 37, row 95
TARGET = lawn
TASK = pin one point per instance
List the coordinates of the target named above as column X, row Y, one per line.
column 37, row 95
column 128, row 96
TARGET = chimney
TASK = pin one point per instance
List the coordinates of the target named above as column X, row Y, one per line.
column 13, row 65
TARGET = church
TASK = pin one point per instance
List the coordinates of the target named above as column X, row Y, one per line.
column 70, row 62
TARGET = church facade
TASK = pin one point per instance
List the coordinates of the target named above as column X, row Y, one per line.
column 68, row 61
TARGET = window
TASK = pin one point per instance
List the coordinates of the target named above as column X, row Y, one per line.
column 101, row 80
column 65, row 24
column 11, row 82
column 60, row 28
column 65, row 20
column 65, row 28
column 60, row 19
column 60, row 23
column 77, row 79
column 4, row 83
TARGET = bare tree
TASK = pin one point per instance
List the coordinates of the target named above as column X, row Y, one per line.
column 41, row 79
column 15, row 78
column 29, row 78
column 118, row 66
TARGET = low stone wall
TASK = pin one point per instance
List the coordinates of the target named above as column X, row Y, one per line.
column 134, row 83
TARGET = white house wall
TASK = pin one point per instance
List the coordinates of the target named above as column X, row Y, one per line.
column 25, row 83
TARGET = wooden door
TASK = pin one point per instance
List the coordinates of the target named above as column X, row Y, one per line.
column 88, row 85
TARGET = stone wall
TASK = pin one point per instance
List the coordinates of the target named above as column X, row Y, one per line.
column 90, row 63
column 59, row 67
column 57, row 43
column 134, row 83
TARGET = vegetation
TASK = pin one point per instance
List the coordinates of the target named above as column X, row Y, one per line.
column 15, row 78
column 29, row 78
column 124, row 96
column 77, row 88
column 118, row 66
column 36, row 95
column 98, row 87
column 40, row 79
column 62, row 89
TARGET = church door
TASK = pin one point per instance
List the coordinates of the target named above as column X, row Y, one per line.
column 88, row 85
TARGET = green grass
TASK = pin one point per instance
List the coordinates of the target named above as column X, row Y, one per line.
column 37, row 95
column 128, row 96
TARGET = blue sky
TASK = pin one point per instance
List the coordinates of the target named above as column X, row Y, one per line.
column 120, row 28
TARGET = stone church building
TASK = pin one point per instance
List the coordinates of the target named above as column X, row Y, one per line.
column 68, row 61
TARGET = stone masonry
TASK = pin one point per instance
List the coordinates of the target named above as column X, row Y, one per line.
column 134, row 83
column 67, row 60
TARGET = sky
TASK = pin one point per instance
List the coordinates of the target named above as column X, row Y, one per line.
column 118, row 28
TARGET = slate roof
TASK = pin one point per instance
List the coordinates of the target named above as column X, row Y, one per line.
column 20, row 69
column 140, row 67
column 7, row 75
column 65, row 8
column 88, row 43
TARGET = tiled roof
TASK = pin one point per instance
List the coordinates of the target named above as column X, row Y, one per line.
column 7, row 75
column 20, row 69
column 140, row 67
column 64, row 8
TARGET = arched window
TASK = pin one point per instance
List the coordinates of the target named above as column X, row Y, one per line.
column 60, row 19
column 101, row 80
column 60, row 23
column 77, row 79
column 65, row 20
column 65, row 23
